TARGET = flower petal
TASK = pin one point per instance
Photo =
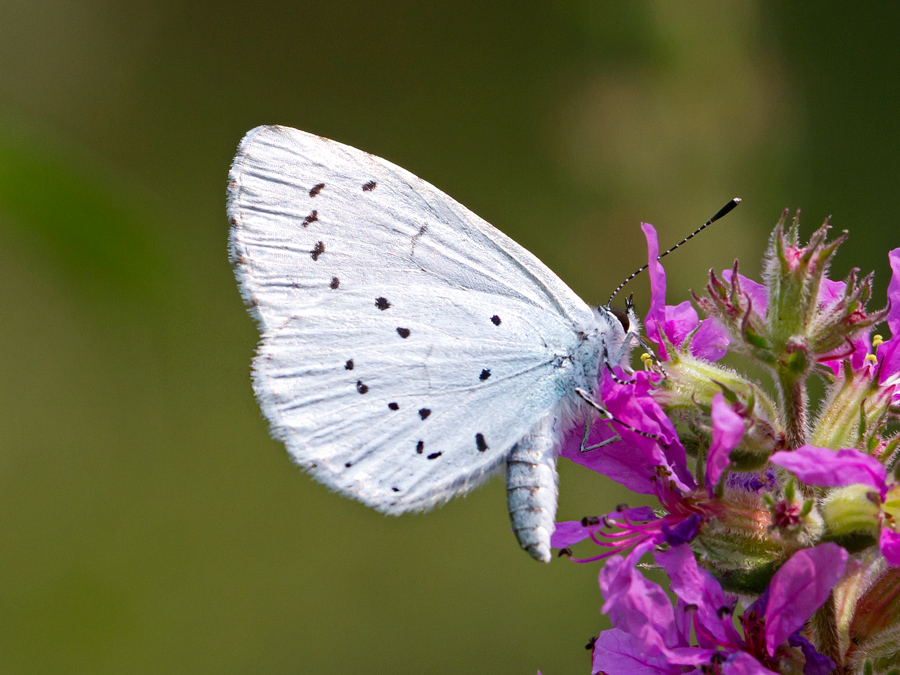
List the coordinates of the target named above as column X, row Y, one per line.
column 619, row 653
column 752, row 289
column 571, row 532
column 728, row 430
column 893, row 293
column 816, row 663
column 741, row 663
column 831, row 291
column 888, row 355
column 656, row 315
column 859, row 349
column 711, row 340
column 632, row 460
column 683, row 531
column 696, row 587
column 680, row 320
column 633, row 602
column 567, row 533
column 799, row 588
column 823, row 466
column 889, row 543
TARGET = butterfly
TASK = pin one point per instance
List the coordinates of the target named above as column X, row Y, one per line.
column 409, row 350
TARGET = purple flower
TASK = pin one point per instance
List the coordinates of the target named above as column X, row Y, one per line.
column 639, row 449
column 625, row 529
column 830, row 468
column 709, row 338
column 893, row 293
column 889, row 543
column 752, row 481
column 571, row 532
column 728, row 430
column 831, row 293
column 833, row 468
column 799, row 588
column 649, row 636
column 888, row 352
column 633, row 459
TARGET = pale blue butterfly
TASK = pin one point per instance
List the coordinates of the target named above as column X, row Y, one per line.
column 409, row 349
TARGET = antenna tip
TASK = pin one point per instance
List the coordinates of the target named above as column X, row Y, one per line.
column 736, row 200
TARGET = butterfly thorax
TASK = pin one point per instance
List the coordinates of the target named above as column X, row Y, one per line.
column 604, row 342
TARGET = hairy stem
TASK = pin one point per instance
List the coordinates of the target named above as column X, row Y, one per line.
column 824, row 628
column 794, row 407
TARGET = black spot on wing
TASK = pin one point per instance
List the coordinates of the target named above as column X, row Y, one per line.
column 495, row 320
column 316, row 189
column 420, row 447
column 318, row 250
column 348, row 365
column 335, row 282
column 480, row 442
column 424, row 413
column 360, row 387
column 368, row 187
column 382, row 303
column 311, row 218
column 435, row 455
column 348, row 464
column 485, row 374
column 395, row 489
column 393, row 406
column 403, row 332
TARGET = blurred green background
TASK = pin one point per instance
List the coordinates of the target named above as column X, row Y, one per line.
column 147, row 522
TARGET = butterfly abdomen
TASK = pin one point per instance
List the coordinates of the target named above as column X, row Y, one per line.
column 531, row 488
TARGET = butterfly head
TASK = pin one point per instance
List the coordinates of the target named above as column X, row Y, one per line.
column 608, row 342
column 621, row 331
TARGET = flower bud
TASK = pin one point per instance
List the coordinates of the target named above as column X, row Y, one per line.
column 852, row 516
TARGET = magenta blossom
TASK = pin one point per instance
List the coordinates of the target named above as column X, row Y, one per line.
column 639, row 449
column 700, row 436
column 888, row 352
column 841, row 468
column 639, row 440
column 709, row 338
column 728, row 430
column 624, row 529
column 650, row 636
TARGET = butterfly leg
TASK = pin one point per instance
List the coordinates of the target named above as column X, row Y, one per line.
column 531, row 489
column 587, row 398
column 584, row 438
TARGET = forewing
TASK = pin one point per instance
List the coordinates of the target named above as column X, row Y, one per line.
column 309, row 214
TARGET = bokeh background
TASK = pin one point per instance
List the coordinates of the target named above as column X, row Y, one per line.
column 147, row 522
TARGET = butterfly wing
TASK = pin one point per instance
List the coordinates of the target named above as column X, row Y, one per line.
column 407, row 345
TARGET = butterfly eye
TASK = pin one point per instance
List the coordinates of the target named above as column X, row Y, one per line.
column 622, row 317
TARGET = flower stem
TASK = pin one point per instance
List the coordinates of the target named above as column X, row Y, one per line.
column 824, row 628
column 795, row 406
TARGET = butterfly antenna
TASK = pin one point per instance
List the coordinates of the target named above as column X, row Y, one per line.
column 725, row 210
